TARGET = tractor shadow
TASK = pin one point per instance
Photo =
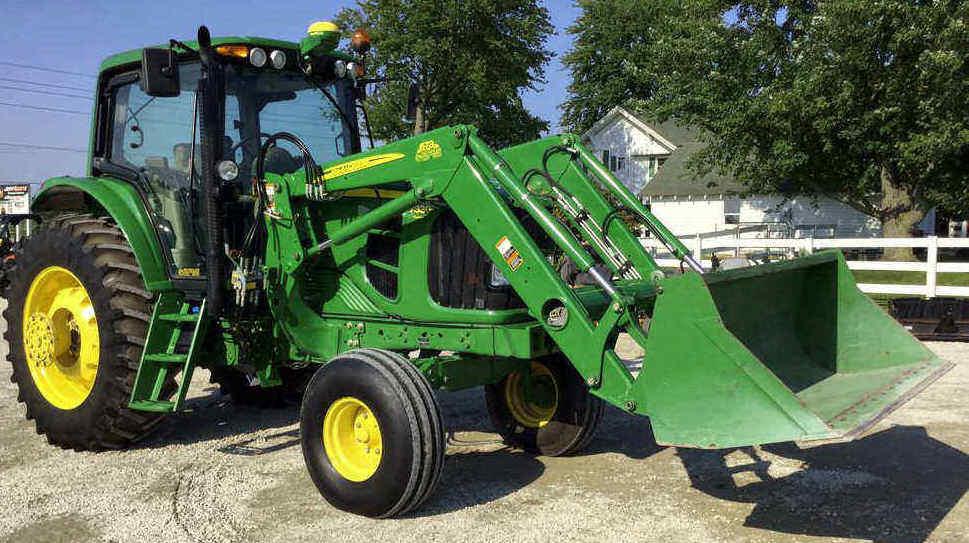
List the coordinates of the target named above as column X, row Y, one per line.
column 475, row 478
column 893, row 486
column 212, row 417
column 478, row 468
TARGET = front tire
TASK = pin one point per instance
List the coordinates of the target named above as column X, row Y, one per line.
column 371, row 433
column 556, row 416
column 77, row 318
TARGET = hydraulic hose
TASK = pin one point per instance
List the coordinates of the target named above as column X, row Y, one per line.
column 561, row 236
column 625, row 197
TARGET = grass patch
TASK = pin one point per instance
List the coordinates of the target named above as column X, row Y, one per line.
column 910, row 278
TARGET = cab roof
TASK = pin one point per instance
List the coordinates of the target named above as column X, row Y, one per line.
column 134, row 55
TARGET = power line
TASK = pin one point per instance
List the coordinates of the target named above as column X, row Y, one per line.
column 42, row 147
column 47, row 92
column 42, row 69
column 42, row 84
column 42, row 108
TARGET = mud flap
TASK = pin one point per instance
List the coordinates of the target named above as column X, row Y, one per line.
column 790, row 351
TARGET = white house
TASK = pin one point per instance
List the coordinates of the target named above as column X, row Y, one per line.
column 650, row 159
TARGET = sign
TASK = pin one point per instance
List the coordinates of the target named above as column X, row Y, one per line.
column 14, row 199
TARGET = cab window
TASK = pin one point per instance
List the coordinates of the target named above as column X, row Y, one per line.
column 154, row 136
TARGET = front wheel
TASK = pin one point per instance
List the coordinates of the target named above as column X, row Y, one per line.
column 371, row 433
column 548, row 411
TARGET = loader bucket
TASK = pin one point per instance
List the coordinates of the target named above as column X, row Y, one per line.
column 790, row 351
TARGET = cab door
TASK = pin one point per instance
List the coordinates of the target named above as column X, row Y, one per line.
column 153, row 142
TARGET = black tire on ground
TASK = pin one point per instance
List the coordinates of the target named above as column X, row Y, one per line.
column 570, row 428
column 412, row 435
column 97, row 253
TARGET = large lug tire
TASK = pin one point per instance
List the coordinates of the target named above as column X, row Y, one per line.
column 558, row 417
column 77, row 318
column 371, row 432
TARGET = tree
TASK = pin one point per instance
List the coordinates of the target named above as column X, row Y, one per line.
column 863, row 101
column 610, row 57
column 472, row 61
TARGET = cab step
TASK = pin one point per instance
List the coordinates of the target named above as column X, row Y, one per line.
column 174, row 332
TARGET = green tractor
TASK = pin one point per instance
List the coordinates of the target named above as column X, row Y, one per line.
column 230, row 219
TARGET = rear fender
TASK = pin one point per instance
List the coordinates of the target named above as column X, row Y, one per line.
column 120, row 201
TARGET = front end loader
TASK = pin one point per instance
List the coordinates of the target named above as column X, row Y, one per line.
column 231, row 220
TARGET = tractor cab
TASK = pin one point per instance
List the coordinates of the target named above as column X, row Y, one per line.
column 159, row 106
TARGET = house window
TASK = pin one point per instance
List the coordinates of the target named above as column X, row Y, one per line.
column 613, row 162
column 649, row 165
column 617, row 163
column 731, row 211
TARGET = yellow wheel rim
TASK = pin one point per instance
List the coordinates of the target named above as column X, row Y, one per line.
column 351, row 439
column 532, row 408
column 61, row 339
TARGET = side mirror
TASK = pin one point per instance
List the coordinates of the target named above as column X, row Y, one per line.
column 413, row 100
column 159, row 73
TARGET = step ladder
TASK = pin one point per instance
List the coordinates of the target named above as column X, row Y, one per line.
column 174, row 333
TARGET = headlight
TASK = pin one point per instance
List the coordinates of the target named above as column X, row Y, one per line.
column 257, row 57
column 340, row 69
column 278, row 58
column 228, row 170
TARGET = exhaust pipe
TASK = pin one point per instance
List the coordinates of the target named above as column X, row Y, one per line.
column 210, row 137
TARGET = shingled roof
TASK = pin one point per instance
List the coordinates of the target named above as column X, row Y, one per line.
column 673, row 178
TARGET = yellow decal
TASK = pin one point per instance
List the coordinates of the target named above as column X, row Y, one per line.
column 511, row 255
column 189, row 272
column 418, row 212
column 359, row 164
column 427, row 150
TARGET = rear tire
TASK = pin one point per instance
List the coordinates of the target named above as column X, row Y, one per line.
column 563, row 428
column 96, row 254
column 339, row 435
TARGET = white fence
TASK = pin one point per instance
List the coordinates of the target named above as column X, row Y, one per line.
column 931, row 267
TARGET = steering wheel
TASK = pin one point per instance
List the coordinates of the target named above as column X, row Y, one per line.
column 232, row 151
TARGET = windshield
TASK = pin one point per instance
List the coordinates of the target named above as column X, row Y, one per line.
column 262, row 102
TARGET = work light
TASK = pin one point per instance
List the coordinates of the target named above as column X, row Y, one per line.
column 278, row 58
column 257, row 57
column 340, row 69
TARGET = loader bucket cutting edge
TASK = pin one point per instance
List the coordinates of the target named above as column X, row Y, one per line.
column 790, row 351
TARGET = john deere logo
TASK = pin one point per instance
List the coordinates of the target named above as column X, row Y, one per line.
column 427, row 150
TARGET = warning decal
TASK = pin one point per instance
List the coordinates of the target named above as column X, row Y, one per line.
column 509, row 253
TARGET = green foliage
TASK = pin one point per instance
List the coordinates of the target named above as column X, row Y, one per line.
column 609, row 59
column 860, row 100
column 471, row 59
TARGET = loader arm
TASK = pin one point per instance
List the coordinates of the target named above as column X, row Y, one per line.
column 483, row 190
column 808, row 357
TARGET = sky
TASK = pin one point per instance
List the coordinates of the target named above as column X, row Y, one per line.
column 73, row 37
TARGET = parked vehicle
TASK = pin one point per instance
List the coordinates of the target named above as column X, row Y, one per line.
column 199, row 240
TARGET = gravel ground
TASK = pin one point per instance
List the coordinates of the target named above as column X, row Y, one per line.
column 217, row 472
